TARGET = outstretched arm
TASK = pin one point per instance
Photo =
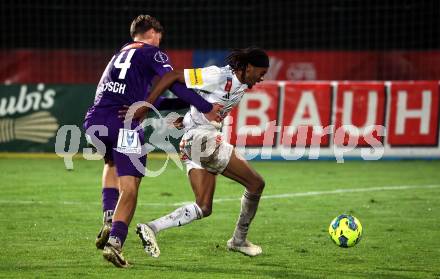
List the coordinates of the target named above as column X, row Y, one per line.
column 165, row 82
column 189, row 96
column 163, row 103
column 175, row 79
column 169, row 78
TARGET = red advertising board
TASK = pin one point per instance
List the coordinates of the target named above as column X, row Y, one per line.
column 414, row 113
column 325, row 114
column 306, row 113
column 360, row 106
column 256, row 116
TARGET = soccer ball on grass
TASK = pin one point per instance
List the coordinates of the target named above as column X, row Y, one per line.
column 345, row 230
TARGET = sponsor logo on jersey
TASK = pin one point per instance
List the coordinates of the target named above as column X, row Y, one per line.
column 128, row 142
column 160, row 57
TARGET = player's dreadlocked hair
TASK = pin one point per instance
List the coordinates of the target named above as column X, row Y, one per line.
column 143, row 23
column 238, row 59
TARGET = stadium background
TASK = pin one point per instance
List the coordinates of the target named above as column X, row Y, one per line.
column 53, row 52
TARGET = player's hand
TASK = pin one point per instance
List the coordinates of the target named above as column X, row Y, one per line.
column 178, row 123
column 214, row 114
column 140, row 112
column 174, row 120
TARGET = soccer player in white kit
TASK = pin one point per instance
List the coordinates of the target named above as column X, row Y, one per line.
column 206, row 154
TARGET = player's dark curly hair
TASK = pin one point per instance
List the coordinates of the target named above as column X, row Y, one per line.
column 143, row 23
column 238, row 59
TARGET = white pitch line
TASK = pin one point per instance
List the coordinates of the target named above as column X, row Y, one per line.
column 331, row 192
column 279, row 196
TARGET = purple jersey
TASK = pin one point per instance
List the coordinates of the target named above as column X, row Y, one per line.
column 128, row 76
column 126, row 80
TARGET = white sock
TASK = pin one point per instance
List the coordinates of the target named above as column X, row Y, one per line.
column 179, row 217
column 249, row 205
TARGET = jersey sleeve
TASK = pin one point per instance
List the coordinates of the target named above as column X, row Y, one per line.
column 160, row 62
column 207, row 79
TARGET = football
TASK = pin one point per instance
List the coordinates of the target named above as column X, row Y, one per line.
column 345, row 230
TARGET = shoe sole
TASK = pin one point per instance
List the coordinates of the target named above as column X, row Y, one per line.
column 112, row 256
column 237, row 249
column 101, row 241
column 147, row 243
column 243, row 252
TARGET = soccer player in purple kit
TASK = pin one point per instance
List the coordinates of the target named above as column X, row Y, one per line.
column 126, row 80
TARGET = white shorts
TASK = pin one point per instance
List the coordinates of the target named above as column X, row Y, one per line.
column 204, row 148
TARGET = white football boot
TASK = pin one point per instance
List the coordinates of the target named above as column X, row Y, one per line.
column 247, row 248
column 148, row 238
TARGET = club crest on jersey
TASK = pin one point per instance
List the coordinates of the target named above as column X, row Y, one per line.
column 160, row 57
column 228, row 87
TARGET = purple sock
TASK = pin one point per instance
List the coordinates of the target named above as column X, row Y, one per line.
column 109, row 198
column 119, row 230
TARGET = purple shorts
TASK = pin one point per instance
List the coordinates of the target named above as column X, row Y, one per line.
column 122, row 146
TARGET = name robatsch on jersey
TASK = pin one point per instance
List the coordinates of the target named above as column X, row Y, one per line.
column 112, row 86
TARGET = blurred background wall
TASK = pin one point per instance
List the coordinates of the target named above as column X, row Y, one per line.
column 52, row 53
column 71, row 41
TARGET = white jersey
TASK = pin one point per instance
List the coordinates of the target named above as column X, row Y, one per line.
column 215, row 85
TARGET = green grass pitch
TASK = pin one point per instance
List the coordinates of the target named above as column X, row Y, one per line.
column 49, row 219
